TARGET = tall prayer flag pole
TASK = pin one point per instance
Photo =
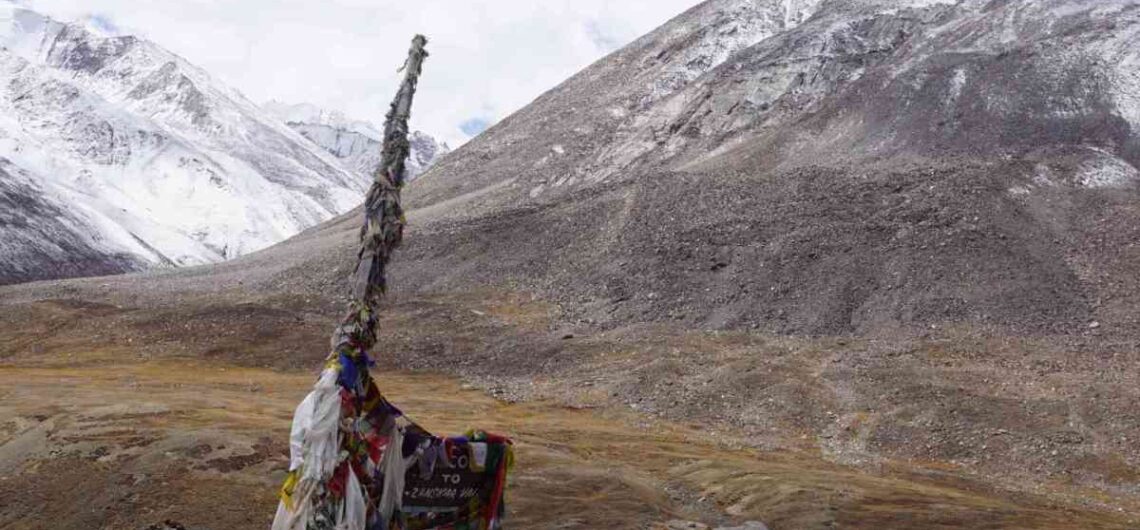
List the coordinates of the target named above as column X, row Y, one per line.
column 356, row 462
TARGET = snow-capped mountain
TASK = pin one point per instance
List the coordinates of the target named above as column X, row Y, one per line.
column 356, row 143
column 137, row 158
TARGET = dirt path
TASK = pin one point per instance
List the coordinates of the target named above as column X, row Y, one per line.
column 128, row 445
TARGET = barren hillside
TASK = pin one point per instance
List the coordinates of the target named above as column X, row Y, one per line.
column 897, row 238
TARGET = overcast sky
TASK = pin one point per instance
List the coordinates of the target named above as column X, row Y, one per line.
column 488, row 57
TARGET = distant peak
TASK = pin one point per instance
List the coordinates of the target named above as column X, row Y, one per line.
column 101, row 25
column 23, row 30
column 310, row 114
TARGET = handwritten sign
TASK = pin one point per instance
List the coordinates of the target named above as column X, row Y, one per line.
column 451, row 487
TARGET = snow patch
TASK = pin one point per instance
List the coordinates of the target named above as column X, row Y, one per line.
column 957, row 83
column 25, row 32
column 723, row 30
column 1126, row 77
column 1043, row 176
column 1106, row 171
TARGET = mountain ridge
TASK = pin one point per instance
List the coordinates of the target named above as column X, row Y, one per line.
column 355, row 142
column 163, row 163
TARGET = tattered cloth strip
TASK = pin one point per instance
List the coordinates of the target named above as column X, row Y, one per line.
column 356, row 461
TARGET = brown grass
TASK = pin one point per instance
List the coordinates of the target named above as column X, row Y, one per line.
column 576, row 468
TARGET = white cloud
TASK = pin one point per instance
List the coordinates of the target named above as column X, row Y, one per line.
column 488, row 57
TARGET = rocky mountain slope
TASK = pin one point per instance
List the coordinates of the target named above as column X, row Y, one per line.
column 121, row 155
column 355, row 142
column 820, row 167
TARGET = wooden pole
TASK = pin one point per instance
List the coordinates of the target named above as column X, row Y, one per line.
column 384, row 221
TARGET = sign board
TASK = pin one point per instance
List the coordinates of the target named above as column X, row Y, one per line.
column 454, row 494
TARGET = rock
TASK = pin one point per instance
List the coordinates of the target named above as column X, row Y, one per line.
column 750, row 525
column 685, row 525
column 166, row 525
column 678, row 524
